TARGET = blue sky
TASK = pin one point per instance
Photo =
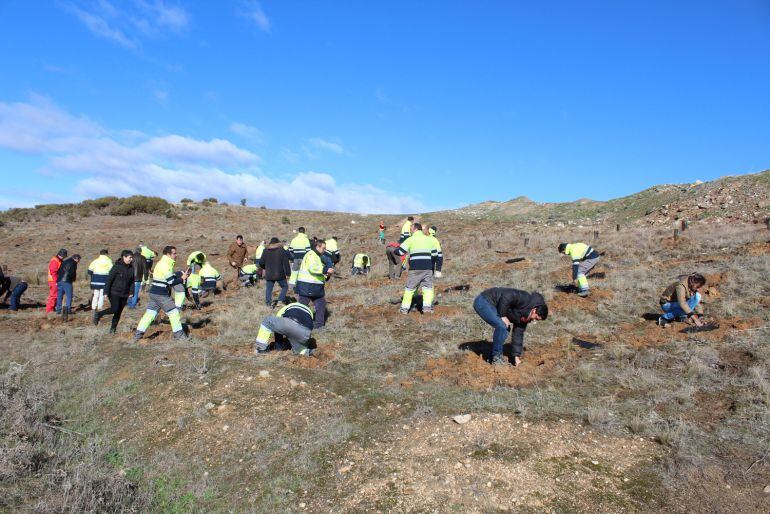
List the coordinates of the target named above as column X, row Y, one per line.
column 378, row 107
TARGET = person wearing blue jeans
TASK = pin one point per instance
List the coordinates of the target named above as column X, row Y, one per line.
column 681, row 300
column 135, row 298
column 504, row 308
column 269, row 284
column 65, row 279
column 11, row 289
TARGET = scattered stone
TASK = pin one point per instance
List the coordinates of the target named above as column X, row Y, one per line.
column 345, row 469
column 293, row 383
column 595, row 462
column 462, row 419
column 767, row 489
column 226, row 428
column 209, row 406
column 264, row 373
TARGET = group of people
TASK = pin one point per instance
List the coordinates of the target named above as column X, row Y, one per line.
column 306, row 265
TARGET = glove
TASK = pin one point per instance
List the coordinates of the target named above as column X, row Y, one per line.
column 437, row 274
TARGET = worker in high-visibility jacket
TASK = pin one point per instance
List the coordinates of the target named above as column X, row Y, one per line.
column 164, row 279
column 98, row 271
column 195, row 262
column 247, row 275
column 438, row 262
column 209, row 278
column 361, row 264
column 422, row 254
column 149, row 258
column 260, row 250
column 298, row 247
column 293, row 322
column 332, row 249
column 311, row 278
column 584, row 258
column 406, row 229
column 53, row 277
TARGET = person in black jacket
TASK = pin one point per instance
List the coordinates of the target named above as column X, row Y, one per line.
column 68, row 272
column 141, row 273
column 275, row 261
column 505, row 308
column 119, row 287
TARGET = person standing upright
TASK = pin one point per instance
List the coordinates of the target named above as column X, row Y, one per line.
column 98, row 270
column 236, row 254
column 312, row 276
column 140, row 271
column 298, row 247
column 422, row 253
column 68, row 274
column 276, row 264
column 406, row 229
column 53, row 273
column 118, row 287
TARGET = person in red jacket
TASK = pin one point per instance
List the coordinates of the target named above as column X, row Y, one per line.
column 53, row 273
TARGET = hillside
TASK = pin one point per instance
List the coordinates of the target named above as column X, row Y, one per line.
column 745, row 198
column 607, row 413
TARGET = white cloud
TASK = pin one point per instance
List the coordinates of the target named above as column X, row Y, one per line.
column 248, row 132
column 127, row 24
column 322, row 144
column 126, row 162
column 253, row 11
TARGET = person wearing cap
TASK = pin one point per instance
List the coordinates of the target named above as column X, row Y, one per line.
column 276, row 265
column 584, row 258
column 505, row 309
column 53, row 272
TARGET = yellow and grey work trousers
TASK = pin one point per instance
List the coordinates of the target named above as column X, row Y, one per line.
column 414, row 280
column 157, row 303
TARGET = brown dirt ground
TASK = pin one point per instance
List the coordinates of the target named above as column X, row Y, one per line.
column 566, row 301
column 471, row 370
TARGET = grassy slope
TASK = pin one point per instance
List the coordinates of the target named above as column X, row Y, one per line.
column 671, row 420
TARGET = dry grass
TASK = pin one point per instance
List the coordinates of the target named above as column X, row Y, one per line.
column 700, row 401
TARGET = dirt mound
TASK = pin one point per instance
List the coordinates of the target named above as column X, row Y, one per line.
column 644, row 333
column 470, row 370
column 322, row 356
column 562, row 301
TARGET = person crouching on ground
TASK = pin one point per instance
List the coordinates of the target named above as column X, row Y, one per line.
column 506, row 308
column 361, row 264
column 681, row 300
column 118, row 287
column 294, row 322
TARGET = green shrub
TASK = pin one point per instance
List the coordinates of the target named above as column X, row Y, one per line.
column 186, row 200
column 140, row 204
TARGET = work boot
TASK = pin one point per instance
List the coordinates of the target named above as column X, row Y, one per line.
column 403, row 311
column 662, row 322
column 138, row 335
column 181, row 335
column 96, row 317
column 499, row 361
column 306, row 352
column 65, row 314
column 584, row 293
column 113, row 331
